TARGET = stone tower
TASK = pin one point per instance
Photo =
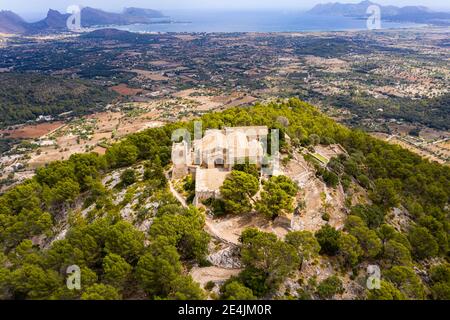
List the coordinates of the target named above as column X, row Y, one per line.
column 181, row 159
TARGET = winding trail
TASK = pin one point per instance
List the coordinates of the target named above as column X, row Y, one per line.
column 211, row 229
column 175, row 193
column 209, row 224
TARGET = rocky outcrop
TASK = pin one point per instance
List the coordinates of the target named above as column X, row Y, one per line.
column 227, row 258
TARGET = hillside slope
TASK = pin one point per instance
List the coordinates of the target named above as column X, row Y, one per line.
column 11, row 23
column 114, row 216
column 25, row 97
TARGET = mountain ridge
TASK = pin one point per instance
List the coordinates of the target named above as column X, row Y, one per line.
column 12, row 23
column 418, row 14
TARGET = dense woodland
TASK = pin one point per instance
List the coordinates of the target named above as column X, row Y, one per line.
column 119, row 261
column 25, row 97
column 431, row 112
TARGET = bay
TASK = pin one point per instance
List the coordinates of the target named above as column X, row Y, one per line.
column 256, row 21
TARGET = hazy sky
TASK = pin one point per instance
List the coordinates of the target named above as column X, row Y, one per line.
column 31, row 8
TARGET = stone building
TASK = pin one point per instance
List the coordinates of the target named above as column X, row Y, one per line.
column 211, row 158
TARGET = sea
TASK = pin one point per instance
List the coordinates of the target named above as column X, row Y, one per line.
column 256, row 21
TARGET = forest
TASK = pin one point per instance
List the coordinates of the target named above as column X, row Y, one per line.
column 119, row 261
column 25, row 97
column 431, row 112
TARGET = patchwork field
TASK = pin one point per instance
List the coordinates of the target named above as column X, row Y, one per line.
column 32, row 131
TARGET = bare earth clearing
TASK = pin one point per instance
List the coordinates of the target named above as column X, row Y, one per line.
column 32, row 131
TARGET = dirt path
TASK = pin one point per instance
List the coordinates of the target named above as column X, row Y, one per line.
column 312, row 191
column 211, row 228
column 175, row 192
column 216, row 274
column 209, row 224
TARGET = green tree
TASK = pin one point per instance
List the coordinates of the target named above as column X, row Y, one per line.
column 26, row 224
column 423, row 243
column 58, row 171
column 406, row 280
column 441, row 291
column 387, row 232
column 277, row 196
column 124, row 240
column 65, row 191
column 386, row 193
column 263, row 251
column 185, row 232
column 86, row 243
column 25, row 253
column 5, row 275
column 440, row 277
column 185, row 288
column 349, row 249
column 387, row 291
column 368, row 239
column 256, row 280
column 87, row 168
column 154, row 173
column 373, row 216
column 116, row 271
column 437, row 229
column 315, row 139
column 101, row 292
column 122, row 155
column 128, row 177
column 156, row 271
column 4, row 283
column 328, row 238
column 364, row 181
column 32, row 282
column 330, row 178
column 234, row 290
column 330, row 287
column 237, row 192
column 440, row 273
column 247, row 168
column 396, row 253
column 305, row 243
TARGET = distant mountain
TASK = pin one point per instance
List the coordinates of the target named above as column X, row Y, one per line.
column 349, row 9
column 418, row 14
column 53, row 22
column 11, row 23
column 139, row 12
column 92, row 17
column 56, row 21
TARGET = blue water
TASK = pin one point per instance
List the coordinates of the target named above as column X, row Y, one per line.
column 256, row 21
